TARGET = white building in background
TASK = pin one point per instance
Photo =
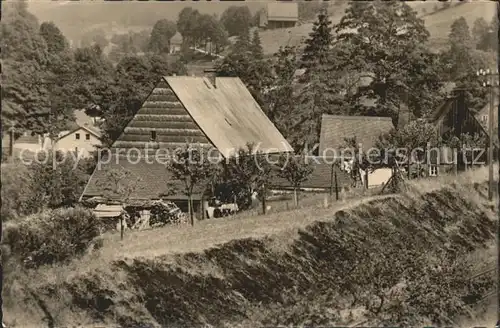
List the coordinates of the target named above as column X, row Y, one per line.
column 84, row 137
column 82, row 140
column 28, row 141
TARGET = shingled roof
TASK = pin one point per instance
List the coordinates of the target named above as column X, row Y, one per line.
column 366, row 129
column 183, row 110
column 150, row 176
column 320, row 178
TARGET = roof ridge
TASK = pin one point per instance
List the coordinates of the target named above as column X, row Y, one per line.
column 199, row 77
column 357, row 117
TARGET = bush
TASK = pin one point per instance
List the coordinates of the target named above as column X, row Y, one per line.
column 52, row 236
column 28, row 189
column 60, row 187
column 16, row 187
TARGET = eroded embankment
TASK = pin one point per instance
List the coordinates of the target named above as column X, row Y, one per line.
column 348, row 263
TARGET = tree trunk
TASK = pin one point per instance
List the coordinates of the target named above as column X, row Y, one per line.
column 263, row 199
column 409, row 164
column 1, row 278
column 202, row 206
column 11, row 142
column 295, row 197
column 53, row 143
column 190, row 210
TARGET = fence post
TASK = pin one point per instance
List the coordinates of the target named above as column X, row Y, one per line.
column 332, row 181
column 190, row 211
column 264, row 199
column 202, row 206
column 336, row 187
column 121, row 227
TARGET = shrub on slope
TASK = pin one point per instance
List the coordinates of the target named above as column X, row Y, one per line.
column 52, row 236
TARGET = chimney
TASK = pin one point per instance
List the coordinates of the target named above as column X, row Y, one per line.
column 211, row 74
column 404, row 111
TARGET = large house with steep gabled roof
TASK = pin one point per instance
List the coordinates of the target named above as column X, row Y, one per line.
column 216, row 112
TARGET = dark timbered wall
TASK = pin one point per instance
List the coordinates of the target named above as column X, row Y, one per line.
column 163, row 113
column 458, row 119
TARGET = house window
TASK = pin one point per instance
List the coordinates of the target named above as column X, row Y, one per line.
column 433, row 170
column 153, row 135
column 484, row 118
column 77, row 136
column 87, row 136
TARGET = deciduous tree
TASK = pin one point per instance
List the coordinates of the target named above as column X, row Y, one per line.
column 187, row 24
column 236, row 20
column 247, row 171
column 24, row 57
column 386, row 40
column 194, row 169
column 409, row 143
column 162, row 32
column 296, row 170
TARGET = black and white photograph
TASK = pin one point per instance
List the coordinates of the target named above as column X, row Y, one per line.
column 249, row 163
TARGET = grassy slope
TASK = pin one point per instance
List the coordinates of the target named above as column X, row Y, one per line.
column 234, row 270
column 439, row 23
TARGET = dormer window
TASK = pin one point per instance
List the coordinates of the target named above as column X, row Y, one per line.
column 153, row 136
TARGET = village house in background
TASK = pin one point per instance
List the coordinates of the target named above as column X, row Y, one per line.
column 454, row 118
column 174, row 114
column 27, row 143
column 279, row 15
column 82, row 140
column 176, row 43
column 83, row 136
column 483, row 114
